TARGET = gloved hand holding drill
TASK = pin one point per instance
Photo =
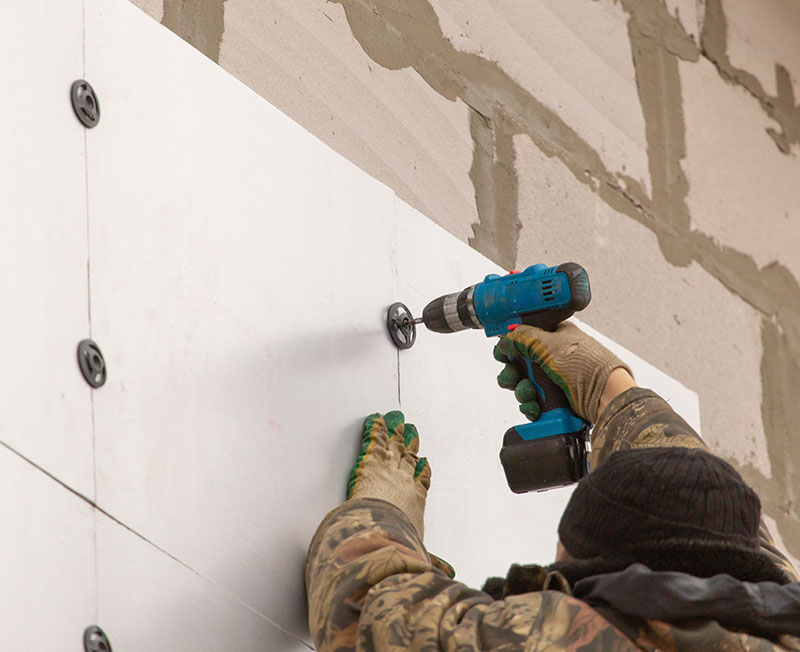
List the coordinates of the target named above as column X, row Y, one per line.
column 573, row 360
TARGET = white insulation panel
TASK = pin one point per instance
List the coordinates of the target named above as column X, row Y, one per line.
column 239, row 273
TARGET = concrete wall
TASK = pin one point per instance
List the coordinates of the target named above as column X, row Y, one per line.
column 655, row 142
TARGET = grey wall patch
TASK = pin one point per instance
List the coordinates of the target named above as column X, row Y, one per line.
column 781, row 108
column 494, row 178
column 199, row 22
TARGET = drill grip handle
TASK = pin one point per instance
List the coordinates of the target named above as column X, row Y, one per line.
column 551, row 396
column 551, row 451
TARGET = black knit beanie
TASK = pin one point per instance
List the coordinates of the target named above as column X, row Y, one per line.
column 675, row 508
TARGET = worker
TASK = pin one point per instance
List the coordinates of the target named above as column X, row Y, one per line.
column 661, row 546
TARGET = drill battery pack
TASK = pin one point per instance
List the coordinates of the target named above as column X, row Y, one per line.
column 542, row 463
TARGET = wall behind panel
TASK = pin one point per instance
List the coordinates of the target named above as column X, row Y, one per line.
column 239, row 273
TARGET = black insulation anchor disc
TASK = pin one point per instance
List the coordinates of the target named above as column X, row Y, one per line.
column 85, row 103
column 93, row 366
column 95, row 640
column 401, row 326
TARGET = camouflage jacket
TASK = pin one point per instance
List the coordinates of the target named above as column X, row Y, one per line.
column 371, row 584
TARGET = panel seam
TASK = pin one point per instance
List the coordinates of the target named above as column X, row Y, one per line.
column 99, row 510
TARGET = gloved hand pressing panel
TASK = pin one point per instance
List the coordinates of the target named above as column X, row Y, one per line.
column 573, row 360
column 388, row 467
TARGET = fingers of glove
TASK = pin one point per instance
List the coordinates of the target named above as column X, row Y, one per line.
column 411, row 438
column 374, row 442
column 498, row 354
column 509, row 377
column 525, row 391
column 422, row 473
column 519, row 342
column 375, row 433
column 408, row 456
column 395, row 423
column 532, row 410
column 374, row 448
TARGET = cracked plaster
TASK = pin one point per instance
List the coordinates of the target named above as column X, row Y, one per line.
column 689, row 14
column 578, row 65
column 762, row 35
column 782, row 106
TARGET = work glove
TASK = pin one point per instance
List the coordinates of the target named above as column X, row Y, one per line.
column 573, row 360
column 388, row 468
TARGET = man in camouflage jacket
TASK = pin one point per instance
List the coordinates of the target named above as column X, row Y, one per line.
column 372, row 585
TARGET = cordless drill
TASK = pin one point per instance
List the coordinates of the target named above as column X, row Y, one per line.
column 552, row 451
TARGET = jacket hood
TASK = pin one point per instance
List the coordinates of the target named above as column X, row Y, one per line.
column 764, row 609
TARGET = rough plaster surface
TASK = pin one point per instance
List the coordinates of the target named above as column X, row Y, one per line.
column 568, row 222
column 153, row 7
column 433, row 106
column 739, row 190
column 200, row 22
column 577, row 64
column 762, row 35
column 715, row 43
column 689, row 14
column 389, row 123
column 773, row 526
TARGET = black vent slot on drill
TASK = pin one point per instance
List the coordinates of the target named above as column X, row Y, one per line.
column 547, row 289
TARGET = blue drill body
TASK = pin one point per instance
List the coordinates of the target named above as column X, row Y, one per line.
column 501, row 301
column 550, row 451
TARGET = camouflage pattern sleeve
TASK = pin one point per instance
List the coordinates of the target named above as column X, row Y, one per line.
column 371, row 586
column 357, row 545
column 640, row 418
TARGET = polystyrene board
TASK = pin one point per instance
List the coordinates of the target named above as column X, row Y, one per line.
column 448, row 389
column 43, row 246
column 47, row 568
column 240, row 276
column 149, row 601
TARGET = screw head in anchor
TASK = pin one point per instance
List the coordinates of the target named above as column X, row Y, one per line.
column 85, row 103
column 92, row 363
column 401, row 325
column 95, row 640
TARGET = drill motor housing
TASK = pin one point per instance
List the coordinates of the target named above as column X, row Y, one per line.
column 539, row 296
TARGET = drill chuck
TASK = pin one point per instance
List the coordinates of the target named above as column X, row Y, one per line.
column 452, row 312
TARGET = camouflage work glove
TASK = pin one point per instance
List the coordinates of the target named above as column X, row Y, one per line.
column 573, row 360
column 388, row 468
